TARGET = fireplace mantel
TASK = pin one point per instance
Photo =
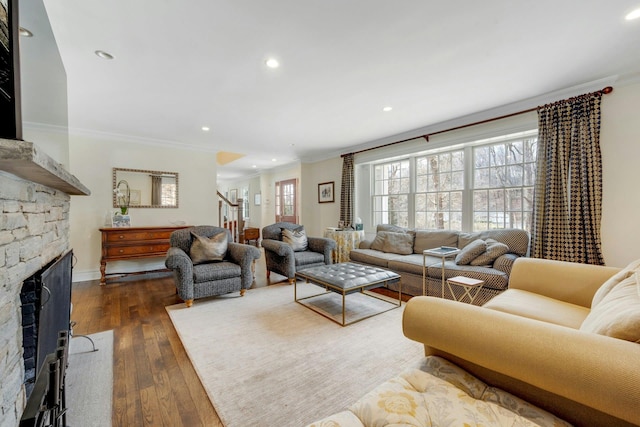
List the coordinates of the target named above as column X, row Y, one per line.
column 25, row 160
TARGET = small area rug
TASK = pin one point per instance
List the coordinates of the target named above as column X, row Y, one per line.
column 265, row 360
column 89, row 381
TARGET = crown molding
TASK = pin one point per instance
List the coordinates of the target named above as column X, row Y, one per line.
column 88, row 133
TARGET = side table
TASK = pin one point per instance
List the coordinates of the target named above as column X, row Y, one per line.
column 345, row 241
column 469, row 286
column 442, row 252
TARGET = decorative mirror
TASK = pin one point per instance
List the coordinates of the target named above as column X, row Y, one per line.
column 147, row 189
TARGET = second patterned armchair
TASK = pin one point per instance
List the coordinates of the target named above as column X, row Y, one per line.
column 286, row 252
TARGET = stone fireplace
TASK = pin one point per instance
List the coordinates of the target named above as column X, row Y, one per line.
column 35, row 194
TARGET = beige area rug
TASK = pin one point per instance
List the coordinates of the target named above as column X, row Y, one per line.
column 90, row 381
column 266, row 360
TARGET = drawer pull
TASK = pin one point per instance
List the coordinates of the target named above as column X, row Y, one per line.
column 121, row 251
column 121, row 236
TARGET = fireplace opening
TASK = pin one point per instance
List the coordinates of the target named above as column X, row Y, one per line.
column 46, row 310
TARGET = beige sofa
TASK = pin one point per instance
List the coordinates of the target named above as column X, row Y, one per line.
column 564, row 339
column 407, row 260
column 554, row 338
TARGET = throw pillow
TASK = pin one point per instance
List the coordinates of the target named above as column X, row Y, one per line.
column 211, row 249
column 390, row 227
column 471, row 252
column 494, row 250
column 395, row 243
column 618, row 314
column 613, row 281
column 378, row 241
column 296, row 238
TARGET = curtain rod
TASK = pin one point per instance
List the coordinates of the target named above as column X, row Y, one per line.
column 607, row 90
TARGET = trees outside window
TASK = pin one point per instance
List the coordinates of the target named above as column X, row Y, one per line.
column 503, row 182
column 391, row 193
column 439, row 190
column 483, row 185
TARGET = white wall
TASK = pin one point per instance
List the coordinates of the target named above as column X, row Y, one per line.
column 620, row 146
column 318, row 216
column 92, row 159
column 52, row 140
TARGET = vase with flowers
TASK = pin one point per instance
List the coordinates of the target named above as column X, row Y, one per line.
column 123, row 196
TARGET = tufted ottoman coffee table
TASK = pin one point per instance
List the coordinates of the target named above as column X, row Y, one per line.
column 347, row 278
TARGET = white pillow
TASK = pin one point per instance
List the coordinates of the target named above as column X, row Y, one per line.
column 613, row 281
column 618, row 314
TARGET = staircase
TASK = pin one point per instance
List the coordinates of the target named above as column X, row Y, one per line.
column 231, row 216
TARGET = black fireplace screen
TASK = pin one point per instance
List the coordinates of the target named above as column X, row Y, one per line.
column 46, row 310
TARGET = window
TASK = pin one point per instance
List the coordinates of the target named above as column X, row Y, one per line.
column 391, row 193
column 503, row 182
column 245, row 202
column 480, row 185
column 169, row 192
column 439, row 190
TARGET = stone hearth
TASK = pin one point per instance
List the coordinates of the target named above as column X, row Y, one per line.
column 34, row 229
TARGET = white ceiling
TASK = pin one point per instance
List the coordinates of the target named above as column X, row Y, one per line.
column 180, row 65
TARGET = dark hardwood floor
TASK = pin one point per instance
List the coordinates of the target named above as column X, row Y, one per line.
column 154, row 382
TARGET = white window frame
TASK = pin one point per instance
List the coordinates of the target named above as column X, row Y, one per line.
column 368, row 171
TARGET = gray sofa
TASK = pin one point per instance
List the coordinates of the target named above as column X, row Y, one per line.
column 409, row 266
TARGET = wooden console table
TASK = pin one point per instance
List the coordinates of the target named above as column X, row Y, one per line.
column 127, row 243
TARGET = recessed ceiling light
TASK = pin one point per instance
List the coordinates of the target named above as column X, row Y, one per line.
column 274, row 160
column 386, row 109
column 205, row 128
column 104, row 55
column 25, row 33
column 634, row 14
column 272, row 63
column 254, row 166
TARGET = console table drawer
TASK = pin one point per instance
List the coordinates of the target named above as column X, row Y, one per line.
column 159, row 249
column 123, row 236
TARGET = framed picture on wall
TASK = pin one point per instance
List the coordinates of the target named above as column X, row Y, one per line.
column 257, row 199
column 325, row 192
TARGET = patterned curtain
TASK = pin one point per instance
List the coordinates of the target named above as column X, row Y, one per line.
column 156, row 190
column 347, row 190
column 568, row 191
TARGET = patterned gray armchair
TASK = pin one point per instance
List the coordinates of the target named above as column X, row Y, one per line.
column 233, row 273
column 281, row 258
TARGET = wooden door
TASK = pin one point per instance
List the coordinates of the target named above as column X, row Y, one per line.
column 286, row 193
